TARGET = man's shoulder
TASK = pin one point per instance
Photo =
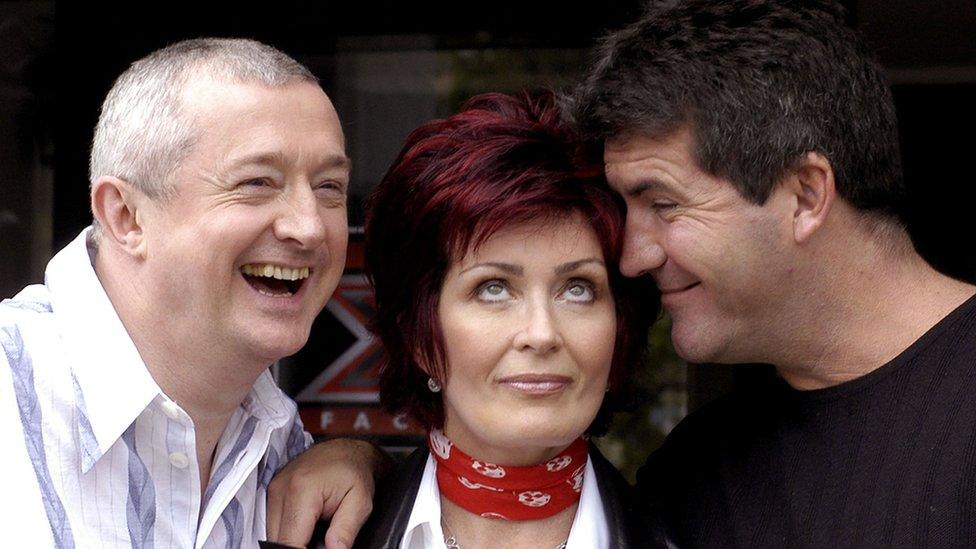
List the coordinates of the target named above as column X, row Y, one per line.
column 960, row 331
column 721, row 429
column 727, row 417
column 22, row 318
column 32, row 300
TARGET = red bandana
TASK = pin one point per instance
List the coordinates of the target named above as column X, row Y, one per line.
column 509, row 493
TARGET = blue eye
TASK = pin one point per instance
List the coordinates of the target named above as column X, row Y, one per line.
column 493, row 291
column 579, row 291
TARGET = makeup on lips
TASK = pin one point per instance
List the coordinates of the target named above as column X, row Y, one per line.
column 536, row 384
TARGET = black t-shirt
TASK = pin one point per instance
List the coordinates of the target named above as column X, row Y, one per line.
column 885, row 460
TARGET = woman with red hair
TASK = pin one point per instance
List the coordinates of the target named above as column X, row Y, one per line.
column 492, row 246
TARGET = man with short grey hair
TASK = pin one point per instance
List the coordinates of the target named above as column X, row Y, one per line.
column 136, row 397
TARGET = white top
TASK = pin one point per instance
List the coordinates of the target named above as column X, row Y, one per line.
column 95, row 455
column 589, row 530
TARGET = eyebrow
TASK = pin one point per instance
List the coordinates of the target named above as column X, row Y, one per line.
column 649, row 184
column 507, row 267
column 573, row 265
column 517, row 270
column 277, row 158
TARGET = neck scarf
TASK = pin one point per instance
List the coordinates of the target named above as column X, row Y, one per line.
column 509, row 492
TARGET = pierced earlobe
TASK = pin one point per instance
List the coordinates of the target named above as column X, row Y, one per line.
column 433, row 385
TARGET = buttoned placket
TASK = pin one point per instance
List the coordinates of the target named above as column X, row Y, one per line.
column 180, row 452
column 244, row 464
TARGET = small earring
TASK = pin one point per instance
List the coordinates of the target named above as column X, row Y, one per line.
column 433, row 385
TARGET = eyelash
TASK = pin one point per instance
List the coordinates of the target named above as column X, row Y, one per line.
column 483, row 287
column 327, row 186
column 663, row 206
column 330, row 185
column 480, row 290
column 579, row 282
column 255, row 182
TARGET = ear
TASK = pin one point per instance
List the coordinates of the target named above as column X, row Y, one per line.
column 812, row 184
column 116, row 204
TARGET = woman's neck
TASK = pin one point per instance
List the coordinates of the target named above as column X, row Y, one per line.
column 471, row 531
column 514, row 453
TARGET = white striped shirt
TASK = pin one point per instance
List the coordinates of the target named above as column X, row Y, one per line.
column 95, row 455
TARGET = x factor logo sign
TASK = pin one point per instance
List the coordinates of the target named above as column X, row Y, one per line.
column 352, row 376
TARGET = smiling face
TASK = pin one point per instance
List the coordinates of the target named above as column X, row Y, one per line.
column 720, row 261
column 528, row 325
column 245, row 254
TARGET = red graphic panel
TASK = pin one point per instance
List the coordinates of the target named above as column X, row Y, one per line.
column 353, row 375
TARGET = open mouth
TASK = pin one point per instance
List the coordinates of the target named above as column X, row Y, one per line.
column 274, row 280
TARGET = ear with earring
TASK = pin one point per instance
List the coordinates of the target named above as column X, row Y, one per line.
column 433, row 385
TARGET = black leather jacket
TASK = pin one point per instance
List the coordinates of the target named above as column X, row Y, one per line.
column 395, row 496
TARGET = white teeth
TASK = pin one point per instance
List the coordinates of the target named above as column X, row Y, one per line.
column 275, row 271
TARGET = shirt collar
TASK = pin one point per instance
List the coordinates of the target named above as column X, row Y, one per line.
column 266, row 402
column 113, row 383
column 589, row 528
column 424, row 524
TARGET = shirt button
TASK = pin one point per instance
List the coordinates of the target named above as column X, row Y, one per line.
column 179, row 460
column 171, row 409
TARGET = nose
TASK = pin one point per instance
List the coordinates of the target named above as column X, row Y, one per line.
column 539, row 333
column 301, row 218
column 642, row 251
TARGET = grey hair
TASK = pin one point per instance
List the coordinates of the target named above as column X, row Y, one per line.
column 143, row 132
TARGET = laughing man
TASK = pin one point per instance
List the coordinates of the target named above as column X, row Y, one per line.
column 137, row 405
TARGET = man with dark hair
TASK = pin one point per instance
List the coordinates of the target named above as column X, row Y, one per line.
column 755, row 145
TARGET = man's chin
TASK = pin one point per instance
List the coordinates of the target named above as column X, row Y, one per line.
column 694, row 346
column 272, row 346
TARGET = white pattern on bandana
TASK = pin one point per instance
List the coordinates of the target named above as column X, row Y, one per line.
column 577, row 479
column 477, row 486
column 534, row 499
column 440, row 444
column 558, row 463
column 488, row 469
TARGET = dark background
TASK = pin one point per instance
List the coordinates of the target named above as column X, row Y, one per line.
column 58, row 60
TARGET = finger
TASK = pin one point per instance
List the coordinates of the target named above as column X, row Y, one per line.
column 297, row 526
column 276, row 500
column 352, row 512
column 300, row 510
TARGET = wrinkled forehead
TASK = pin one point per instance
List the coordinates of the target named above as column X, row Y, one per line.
column 638, row 143
column 231, row 114
column 204, row 93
